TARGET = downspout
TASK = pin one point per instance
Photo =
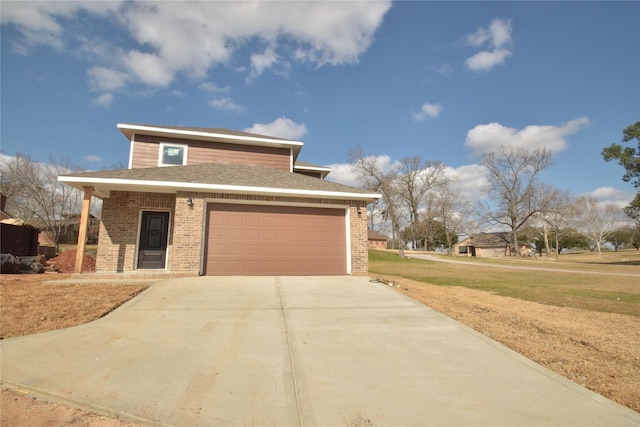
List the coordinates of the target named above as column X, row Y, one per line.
column 82, row 232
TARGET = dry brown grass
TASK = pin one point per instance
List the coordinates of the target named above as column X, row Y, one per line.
column 30, row 306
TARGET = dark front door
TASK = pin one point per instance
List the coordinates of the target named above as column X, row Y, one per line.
column 152, row 248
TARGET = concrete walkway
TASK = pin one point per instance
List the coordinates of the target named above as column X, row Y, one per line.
column 293, row 351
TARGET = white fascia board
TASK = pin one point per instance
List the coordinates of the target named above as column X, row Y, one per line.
column 313, row 168
column 131, row 149
column 291, row 160
column 170, row 186
column 209, row 135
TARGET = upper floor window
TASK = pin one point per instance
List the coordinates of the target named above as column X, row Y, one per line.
column 172, row 155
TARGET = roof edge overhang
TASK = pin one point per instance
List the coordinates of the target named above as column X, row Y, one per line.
column 312, row 168
column 129, row 130
column 322, row 170
column 102, row 188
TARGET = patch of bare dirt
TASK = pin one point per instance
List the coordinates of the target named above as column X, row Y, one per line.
column 600, row 351
column 65, row 262
column 19, row 409
column 31, row 306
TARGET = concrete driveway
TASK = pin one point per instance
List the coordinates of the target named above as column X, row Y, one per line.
column 293, row 351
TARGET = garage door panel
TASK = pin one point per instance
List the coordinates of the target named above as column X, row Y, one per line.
column 274, row 240
column 273, row 221
column 270, row 234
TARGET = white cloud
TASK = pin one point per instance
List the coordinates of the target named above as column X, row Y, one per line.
column 487, row 59
column 148, row 68
column 163, row 32
column 442, row 69
column 6, row 159
column 345, row 173
column 104, row 100
column 610, row 195
column 38, row 22
column 212, row 87
column 92, row 158
column 226, row 104
column 486, row 138
column 497, row 37
column 102, row 78
column 428, row 110
column 500, row 32
column 469, row 180
column 281, row 127
column 262, row 61
column 333, row 33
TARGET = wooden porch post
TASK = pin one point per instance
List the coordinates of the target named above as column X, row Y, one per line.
column 82, row 231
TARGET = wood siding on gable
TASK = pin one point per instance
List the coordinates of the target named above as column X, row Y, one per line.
column 145, row 155
column 146, row 149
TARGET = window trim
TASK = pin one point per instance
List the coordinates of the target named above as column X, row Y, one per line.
column 164, row 145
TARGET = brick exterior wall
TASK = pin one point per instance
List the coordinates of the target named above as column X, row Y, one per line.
column 377, row 244
column 186, row 251
column 359, row 240
column 120, row 223
column 119, row 227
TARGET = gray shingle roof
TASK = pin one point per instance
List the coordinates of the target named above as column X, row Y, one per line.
column 210, row 175
column 484, row 240
column 374, row 235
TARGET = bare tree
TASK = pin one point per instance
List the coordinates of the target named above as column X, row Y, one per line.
column 557, row 214
column 35, row 195
column 414, row 179
column 513, row 174
column 451, row 210
column 374, row 177
column 598, row 221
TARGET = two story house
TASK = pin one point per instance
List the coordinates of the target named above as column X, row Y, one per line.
column 202, row 201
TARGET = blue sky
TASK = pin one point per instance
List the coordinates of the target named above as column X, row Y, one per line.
column 446, row 81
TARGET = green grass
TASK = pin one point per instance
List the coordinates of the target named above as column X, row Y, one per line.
column 606, row 291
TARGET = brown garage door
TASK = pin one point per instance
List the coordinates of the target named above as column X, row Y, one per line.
column 274, row 240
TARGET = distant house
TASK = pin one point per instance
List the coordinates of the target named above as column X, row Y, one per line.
column 376, row 240
column 485, row 245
